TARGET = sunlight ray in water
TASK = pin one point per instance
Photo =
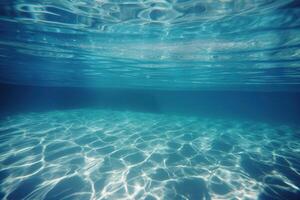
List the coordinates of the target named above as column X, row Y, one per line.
column 105, row 154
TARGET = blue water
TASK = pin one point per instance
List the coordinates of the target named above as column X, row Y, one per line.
column 149, row 99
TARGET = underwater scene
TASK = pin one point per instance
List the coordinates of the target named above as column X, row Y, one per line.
column 150, row 99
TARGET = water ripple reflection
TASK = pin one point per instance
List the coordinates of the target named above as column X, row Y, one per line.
column 103, row 154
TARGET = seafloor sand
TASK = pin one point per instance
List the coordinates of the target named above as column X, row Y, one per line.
column 103, row 154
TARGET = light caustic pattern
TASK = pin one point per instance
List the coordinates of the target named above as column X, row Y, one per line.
column 169, row 44
column 104, row 154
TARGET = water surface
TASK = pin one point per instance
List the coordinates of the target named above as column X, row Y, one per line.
column 165, row 44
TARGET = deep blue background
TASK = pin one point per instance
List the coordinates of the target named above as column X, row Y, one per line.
column 253, row 105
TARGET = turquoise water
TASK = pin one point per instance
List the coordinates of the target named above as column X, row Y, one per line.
column 165, row 44
column 105, row 154
column 150, row 100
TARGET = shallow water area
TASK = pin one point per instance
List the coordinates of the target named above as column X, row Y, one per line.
column 106, row 154
column 149, row 99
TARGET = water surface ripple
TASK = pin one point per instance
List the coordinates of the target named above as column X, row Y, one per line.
column 165, row 44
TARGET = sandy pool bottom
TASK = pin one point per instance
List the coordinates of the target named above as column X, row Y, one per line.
column 105, row 154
